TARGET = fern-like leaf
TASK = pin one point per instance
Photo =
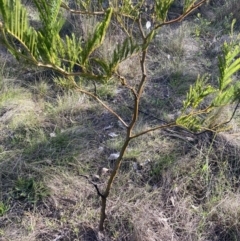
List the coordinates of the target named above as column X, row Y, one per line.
column 198, row 92
column 188, row 4
column 122, row 52
column 229, row 64
column 161, row 9
column 191, row 122
column 17, row 34
column 98, row 36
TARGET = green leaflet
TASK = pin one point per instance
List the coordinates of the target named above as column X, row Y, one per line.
column 228, row 64
column 194, row 115
column 198, row 92
column 237, row 91
column 50, row 15
column 104, row 70
column 98, row 36
column 224, row 97
column 72, row 51
column 191, row 122
column 4, row 12
column 161, row 9
column 52, row 23
column 16, row 25
column 148, row 40
column 85, row 5
column 122, row 52
column 127, row 8
column 228, row 96
column 188, row 4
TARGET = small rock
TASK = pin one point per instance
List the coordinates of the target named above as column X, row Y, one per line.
column 120, row 124
column 148, row 25
column 114, row 156
column 48, row 161
column 52, row 134
column 137, row 166
column 100, row 148
column 112, row 134
column 108, row 127
column 102, row 171
column 95, row 178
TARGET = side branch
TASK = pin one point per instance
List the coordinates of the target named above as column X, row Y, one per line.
column 141, row 28
column 233, row 114
column 181, row 17
column 63, row 5
column 94, row 184
column 172, row 124
column 101, row 102
column 125, row 84
column 230, row 119
column 138, row 93
column 144, row 72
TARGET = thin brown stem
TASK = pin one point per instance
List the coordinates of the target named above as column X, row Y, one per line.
column 141, row 28
column 111, row 179
column 181, row 17
column 137, row 96
column 125, row 84
column 172, row 124
column 73, row 11
column 94, row 184
column 103, row 213
column 233, row 114
column 101, row 102
column 144, row 72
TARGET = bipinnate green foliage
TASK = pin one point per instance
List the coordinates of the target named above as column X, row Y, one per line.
column 197, row 112
column 161, row 9
column 16, row 24
column 51, row 20
column 188, row 4
column 98, row 37
column 228, row 64
column 129, row 9
column 122, row 52
column 44, row 47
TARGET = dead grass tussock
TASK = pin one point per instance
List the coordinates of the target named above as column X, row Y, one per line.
column 130, row 69
column 77, row 194
column 151, row 222
column 176, row 50
column 166, row 207
column 18, row 109
column 161, row 213
column 128, row 212
column 223, row 218
column 71, row 202
column 64, row 103
column 21, row 113
column 228, row 9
